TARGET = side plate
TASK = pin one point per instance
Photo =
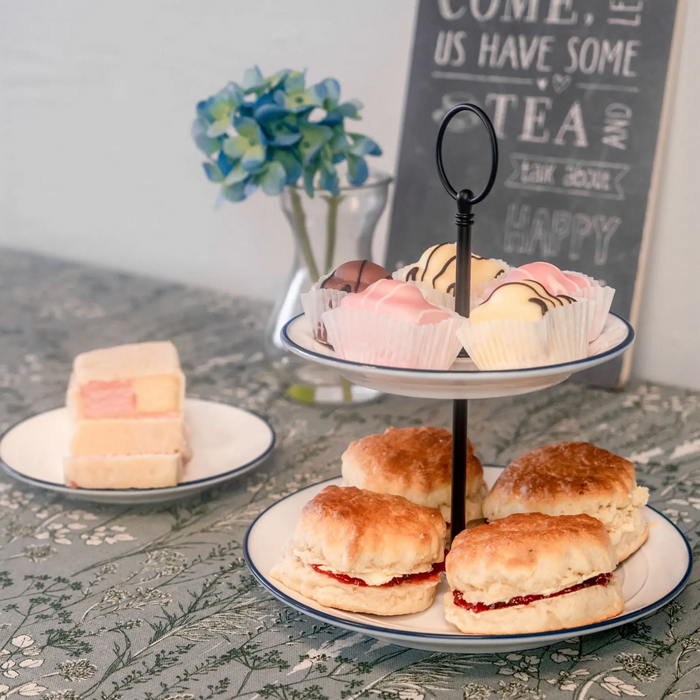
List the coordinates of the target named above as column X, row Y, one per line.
column 226, row 442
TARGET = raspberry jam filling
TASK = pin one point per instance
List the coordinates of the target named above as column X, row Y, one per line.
column 397, row 581
column 600, row 580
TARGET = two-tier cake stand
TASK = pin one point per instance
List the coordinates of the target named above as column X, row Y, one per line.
column 666, row 547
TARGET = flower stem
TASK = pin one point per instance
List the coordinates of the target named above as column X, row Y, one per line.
column 303, row 235
column 347, row 390
column 331, row 229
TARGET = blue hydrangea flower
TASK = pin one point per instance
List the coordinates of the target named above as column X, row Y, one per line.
column 268, row 133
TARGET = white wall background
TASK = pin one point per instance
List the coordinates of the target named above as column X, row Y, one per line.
column 96, row 162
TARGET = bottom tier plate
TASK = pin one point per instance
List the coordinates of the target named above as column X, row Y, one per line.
column 651, row 577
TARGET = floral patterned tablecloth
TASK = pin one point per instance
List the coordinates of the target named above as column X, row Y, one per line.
column 156, row 603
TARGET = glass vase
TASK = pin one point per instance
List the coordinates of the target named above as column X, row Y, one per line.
column 328, row 230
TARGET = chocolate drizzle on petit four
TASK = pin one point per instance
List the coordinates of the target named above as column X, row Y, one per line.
column 354, row 276
column 539, row 299
column 450, row 262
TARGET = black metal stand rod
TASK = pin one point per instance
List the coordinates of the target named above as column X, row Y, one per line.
column 460, row 408
column 466, row 199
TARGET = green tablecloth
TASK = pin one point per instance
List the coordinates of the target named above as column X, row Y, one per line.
column 156, row 602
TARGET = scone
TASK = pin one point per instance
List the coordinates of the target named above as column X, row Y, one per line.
column 365, row 552
column 575, row 477
column 531, row 573
column 415, row 463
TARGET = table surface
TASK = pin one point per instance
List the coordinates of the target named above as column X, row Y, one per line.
column 156, row 602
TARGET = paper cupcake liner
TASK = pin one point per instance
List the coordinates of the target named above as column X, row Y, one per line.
column 568, row 330
column 315, row 303
column 601, row 296
column 561, row 336
column 376, row 339
column 505, row 343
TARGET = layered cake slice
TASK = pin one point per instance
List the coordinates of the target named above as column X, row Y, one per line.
column 127, row 381
column 126, row 405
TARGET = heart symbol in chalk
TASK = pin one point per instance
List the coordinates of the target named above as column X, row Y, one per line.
column 542, row 83
column 560, row 82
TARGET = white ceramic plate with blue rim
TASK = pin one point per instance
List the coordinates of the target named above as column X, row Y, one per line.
column 226, row 442
column 651, row 577
column 463, row 380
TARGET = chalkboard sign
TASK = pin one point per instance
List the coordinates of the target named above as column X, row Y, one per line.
column 576, row 90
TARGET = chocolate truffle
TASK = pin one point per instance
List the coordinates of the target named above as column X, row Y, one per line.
column 355, row 276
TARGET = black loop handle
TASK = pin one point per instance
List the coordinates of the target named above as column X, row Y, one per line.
column 467, row 107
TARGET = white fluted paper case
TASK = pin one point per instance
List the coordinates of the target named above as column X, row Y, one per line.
column 601, row 296
column 376, row 339
column 561, row 336
column 315, row 303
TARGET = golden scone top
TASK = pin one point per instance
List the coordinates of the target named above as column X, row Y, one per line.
column 353, row 530
column 575, row 470
column 528, row 553
column 419, row 459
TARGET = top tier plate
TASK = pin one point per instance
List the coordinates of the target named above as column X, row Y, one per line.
column 463, row 380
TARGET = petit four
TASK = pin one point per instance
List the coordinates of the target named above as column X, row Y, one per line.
column 415, row 463
column 349, row 278
column 391, row 324
column 365, row 552
column 573, row 284
column 126, row 407
column 575, row 477
column 531, row 573
column 434, row 274
column 521, row 324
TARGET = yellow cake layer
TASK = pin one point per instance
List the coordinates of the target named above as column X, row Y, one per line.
column 136, row 436
column 147, row 471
